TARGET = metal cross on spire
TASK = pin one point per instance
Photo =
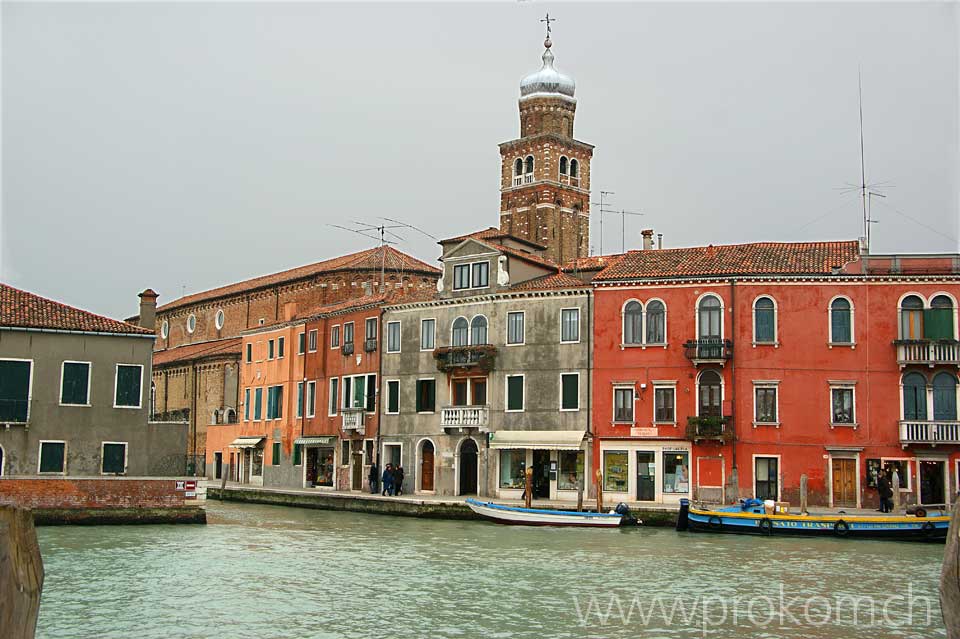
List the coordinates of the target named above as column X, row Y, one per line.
column 548, row 20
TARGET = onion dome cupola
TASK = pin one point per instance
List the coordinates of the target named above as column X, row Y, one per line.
column 547, row 80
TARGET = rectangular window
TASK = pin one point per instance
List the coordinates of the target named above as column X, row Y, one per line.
column 515, row 327
column 393, row 337
column 371, row 328
column 246, row 404
column 129, row 379
column 249, row 352
column 393, row 397
column 461, row 276
column 345, row 452
column 256, row 462
column 299, row 399
column 113, row 458
column 570, row 325
column 664, row 405
column 269, row 349
column 766, row 478
column 334, row 396
column 348, row 333
column 478, row 392
column 765, row 404
column 297, row 454
column 281, row 341
column 301, row 343
column 75, row 383
column 480, row 275
column 676, row 472
column 275, row 402
column 311, row 398
column 275, row 457
column 623, row 405
column 570, row 391
column 512, row 469
column 312, row 341
column 616, row 468
column 53, row 457
column 371, row 404
column 335, row 336
column 426, row 395
column 514, row 393
column 841, row 406
column 15, row 381
column 257, row 404
column 571, row 470
column 428, row 328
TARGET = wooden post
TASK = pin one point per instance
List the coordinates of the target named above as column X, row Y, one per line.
column 528, row 493
column 895, row 487
column 599, row 491
column 803, row 494
column 21, row 573
column 223, row 480
column 950, row 577
column 579, row 496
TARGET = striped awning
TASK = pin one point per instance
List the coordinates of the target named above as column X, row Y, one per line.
column 314, row 441
column 246, row 442
column 542, row 439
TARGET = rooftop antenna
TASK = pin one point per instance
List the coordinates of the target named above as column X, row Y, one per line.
column 603, row 194
column 383, row 230
column 870, row 220
column 623, row 228
column 863, row 170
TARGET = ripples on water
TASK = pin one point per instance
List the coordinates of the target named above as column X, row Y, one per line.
column 270, row 572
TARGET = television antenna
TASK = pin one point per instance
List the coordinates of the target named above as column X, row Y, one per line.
column 365, row 230
column 603, row 194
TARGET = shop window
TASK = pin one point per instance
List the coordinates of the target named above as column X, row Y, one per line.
column 570, row 470
column 616, row 468
column 512, row 469
column 113, row 459
column 75, row 383
column 129, row 378
column 676, row 472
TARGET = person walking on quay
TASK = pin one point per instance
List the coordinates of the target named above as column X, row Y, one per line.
column 387, row 480
column 372, row 477
column 398, row 480
column 885, row 492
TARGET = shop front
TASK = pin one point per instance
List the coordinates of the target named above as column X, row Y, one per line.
column 558, row 460
column 249, row 459
column 319, row 469
column 648, row 471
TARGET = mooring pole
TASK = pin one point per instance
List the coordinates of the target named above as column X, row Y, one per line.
column 599, row 476
column 223, row 480
column 21, row 573
column 950, row 576
column 528, row 493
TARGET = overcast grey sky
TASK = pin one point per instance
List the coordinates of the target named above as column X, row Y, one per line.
column 183, row 146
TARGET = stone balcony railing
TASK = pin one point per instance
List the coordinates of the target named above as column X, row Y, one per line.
column 927, row 352
column 353, row 419
column 929, row 432
column 478, row 356
column 708, row 350
column 709, row 428
column 465, row 417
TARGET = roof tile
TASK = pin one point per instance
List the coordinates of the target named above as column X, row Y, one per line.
column 21, row 309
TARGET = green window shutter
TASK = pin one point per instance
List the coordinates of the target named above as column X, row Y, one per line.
column 257, row 403
column 938, row 323
column 515, row 393
column 297, row 455
column 74, row 383
column 276, row 454
column 299, row 399
column 113, row 458
column 14, row 390
column 393, row 397
column 571, row 392
column 52, row 457
column 128, row 385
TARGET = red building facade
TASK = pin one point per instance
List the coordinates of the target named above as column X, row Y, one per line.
column 730, row 371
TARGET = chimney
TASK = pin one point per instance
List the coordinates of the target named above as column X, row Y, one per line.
column 148, row 309
column 289, row 311
column 647, row 239
column 659, row 240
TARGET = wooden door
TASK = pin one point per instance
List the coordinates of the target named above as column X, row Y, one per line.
column 845, row 482
column 426, row 467
column 356, row 469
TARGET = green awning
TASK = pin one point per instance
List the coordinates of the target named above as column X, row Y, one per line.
column 314, row 441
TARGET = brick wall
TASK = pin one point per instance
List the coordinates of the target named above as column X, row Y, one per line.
column 44, row 493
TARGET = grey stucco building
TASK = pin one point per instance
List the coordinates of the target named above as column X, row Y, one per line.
column 75, row 395
column 491, row 375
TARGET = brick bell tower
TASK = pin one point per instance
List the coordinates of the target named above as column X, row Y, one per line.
column 545, row 173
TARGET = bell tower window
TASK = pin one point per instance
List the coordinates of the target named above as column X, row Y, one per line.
column 574, row 173
column 563, row 165
column 517, row 172
column 528, row 170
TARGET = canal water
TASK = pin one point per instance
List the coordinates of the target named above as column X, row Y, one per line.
column 268, row 572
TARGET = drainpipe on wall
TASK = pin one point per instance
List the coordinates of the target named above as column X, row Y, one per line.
column 589, row 376
column 733, row 375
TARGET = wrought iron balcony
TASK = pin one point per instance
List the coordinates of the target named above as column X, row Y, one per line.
column 708, row 350
column 347, row 348
column 929, row 432
column 465, row 417
column 370, row 344
column 353, row 419
column 479, row 357
column 929, row 352
column 709, row 428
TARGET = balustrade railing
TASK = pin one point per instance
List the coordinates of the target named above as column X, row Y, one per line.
column 929, row 432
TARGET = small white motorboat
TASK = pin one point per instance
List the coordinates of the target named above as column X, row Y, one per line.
column 541, row 517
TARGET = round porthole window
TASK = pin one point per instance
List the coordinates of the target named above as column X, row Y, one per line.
column 219, row 319
column 165, row 330
column 191, row 323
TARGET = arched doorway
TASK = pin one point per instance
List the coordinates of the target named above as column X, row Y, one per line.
column 426, row 465
column 468, row 467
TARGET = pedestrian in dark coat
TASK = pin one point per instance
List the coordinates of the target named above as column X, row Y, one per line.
column 387, row 480
column 886, row 493
column 372, row 477
column 398, row 480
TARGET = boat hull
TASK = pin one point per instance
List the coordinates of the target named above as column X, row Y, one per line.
column 538, row 517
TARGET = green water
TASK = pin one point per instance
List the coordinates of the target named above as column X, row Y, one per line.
column 270, row 572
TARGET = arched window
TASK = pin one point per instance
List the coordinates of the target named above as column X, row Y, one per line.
column 461, row 332
column 939, row 319
column 518, row 167
column 574, row 169
column 563, row 165
column 945, row 397
column 841, row 324
column 632, row 323
column 764, row 321
column 478, row 330
column 656, row 322
column 911, row 318
column 914, row 396
column 710, row 315
column 710, row 390
column 528, row 166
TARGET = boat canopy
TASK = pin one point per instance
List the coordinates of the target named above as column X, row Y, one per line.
column 246, row 442
column 543, row 439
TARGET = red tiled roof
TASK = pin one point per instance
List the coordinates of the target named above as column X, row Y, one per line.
column 592, row 263
column 492, row 233
column 21, row 309
column 370, row 259
column 548, row 282
column 201, row 350
column 761, row 258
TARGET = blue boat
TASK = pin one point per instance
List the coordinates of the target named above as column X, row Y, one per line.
column 750, row 518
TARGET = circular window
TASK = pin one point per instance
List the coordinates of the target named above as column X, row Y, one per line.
column 191, row 323
column 219, row 319
column 165, row 330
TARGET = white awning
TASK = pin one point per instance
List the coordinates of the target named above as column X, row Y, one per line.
column 543, row 439
column 246, row 442
column 314, row 441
